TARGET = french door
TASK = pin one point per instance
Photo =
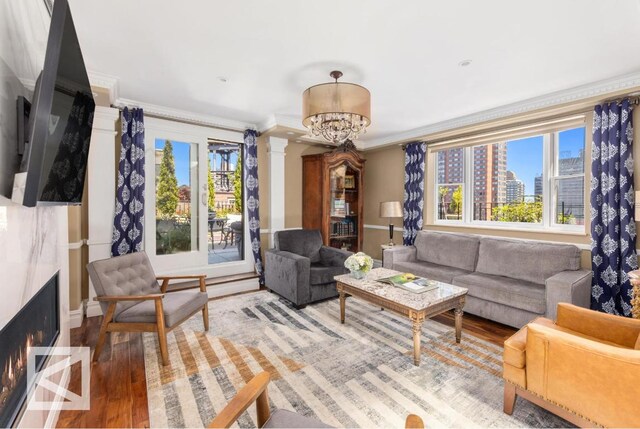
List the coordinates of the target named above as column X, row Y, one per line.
column 185, row 232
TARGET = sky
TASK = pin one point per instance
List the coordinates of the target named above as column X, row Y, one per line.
column 182, row 158
column 524, row 156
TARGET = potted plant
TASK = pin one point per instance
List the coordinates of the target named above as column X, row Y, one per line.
column 359, row 264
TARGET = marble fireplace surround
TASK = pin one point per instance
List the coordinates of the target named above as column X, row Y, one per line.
column 33, row 247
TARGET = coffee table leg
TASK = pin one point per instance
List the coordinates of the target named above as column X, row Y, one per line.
column 417, row 328
column 343, row 298
column 458, row 313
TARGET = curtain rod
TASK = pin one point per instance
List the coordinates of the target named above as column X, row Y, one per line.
column 188, row 122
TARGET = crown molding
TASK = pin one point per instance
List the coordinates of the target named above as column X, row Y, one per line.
column 582, row 92
column 105, row 81
column 184, row 115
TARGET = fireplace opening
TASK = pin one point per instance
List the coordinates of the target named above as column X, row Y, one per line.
column 37, row 324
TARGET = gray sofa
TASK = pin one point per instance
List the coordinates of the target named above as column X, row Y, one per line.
column 301, row 269
column 509, row 281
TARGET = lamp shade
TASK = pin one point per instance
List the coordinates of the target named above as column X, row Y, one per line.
column 391, row 209
column 336, row 97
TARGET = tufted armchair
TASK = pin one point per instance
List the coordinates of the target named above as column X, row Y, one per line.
column 301, row 269
column 132, row 300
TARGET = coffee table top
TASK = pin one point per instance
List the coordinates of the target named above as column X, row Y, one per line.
column 415, row 301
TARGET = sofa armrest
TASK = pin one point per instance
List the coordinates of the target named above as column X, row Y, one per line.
column 606, row 327
column 399, row 254
column 576, row 373
column 288, row 274
column 333, row 257
column 573, row 287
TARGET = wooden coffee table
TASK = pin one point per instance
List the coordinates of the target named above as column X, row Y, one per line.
column 417, row 306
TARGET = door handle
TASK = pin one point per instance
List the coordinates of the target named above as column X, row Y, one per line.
column 204, row 199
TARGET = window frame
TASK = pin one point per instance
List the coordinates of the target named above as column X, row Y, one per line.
column 550, row 178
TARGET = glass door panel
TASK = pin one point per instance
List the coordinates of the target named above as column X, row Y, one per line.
column 343, row 227
column 176, row 197
column 225, row 238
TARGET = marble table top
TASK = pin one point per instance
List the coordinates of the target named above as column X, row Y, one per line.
column 415, row 301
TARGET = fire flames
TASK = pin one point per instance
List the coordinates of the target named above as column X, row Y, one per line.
column 16, row 366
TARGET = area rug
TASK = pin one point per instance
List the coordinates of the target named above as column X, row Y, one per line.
column 359, row 374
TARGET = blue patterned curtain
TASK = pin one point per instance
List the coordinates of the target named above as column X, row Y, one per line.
column 613, row 229
column 252, row 199
column 413, row 190
column 129, row 216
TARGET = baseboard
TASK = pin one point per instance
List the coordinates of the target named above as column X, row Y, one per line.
column 93, row 309
column 75, row 317
column 247, row 285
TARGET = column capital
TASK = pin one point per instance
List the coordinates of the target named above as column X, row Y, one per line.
column 104, row 119
column 276, row 144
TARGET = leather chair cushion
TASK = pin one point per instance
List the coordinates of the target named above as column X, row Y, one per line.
column 176, row 305
column 515, row 347
column 288, row 419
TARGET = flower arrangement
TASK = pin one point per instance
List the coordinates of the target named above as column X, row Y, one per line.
column 359, row 264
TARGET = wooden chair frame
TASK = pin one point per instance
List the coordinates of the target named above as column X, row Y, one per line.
column 108, row 325
column 256, row 390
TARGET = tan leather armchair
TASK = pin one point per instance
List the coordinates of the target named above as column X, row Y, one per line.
column 585, row 367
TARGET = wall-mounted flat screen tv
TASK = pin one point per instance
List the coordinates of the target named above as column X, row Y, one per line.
column 60, row 120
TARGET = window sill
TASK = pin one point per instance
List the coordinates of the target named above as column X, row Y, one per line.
column 511, row 227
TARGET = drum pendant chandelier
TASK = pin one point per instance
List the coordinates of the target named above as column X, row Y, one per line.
column 337, row 111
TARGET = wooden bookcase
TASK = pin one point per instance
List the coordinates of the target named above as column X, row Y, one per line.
column 332, row 197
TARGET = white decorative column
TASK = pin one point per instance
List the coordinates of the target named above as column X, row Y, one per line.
column 101, row 188
column 276, row 147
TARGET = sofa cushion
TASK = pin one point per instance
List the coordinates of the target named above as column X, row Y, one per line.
column 431, row 271
column 452, row 250
column 504, row 290
column 288, row 419
column 129, row 274
column 529, row 261
column 176, row 305
column 303, row 242
column 321, row 274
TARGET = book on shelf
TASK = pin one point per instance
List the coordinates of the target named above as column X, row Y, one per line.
column 410, row 282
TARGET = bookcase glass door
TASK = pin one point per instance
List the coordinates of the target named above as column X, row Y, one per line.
column 344, row 215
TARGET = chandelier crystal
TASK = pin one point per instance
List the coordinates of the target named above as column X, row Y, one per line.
column 336, row 111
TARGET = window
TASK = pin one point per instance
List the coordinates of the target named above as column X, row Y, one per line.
column 450, row 184
column 533, row 181
column 568, row 177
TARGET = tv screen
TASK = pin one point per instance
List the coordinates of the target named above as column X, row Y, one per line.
column 60, row 119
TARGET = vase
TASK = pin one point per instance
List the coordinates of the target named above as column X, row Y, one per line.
column 357, row 274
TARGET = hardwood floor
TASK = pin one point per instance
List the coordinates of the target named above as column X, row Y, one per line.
column 118, row 384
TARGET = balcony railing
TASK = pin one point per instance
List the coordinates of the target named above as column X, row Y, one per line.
column 529, row 210
column 223, row 181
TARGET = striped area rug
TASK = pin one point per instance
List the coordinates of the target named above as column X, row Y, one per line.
column 359, row 374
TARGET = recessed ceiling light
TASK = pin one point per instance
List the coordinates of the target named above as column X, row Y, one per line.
column 222, row 79
column 464, row 63
column 290, row 133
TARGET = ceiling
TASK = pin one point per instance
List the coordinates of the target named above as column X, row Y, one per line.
column 408, row 57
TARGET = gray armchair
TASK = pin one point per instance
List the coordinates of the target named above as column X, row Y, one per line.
column 301, row 269
column 132, row 300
